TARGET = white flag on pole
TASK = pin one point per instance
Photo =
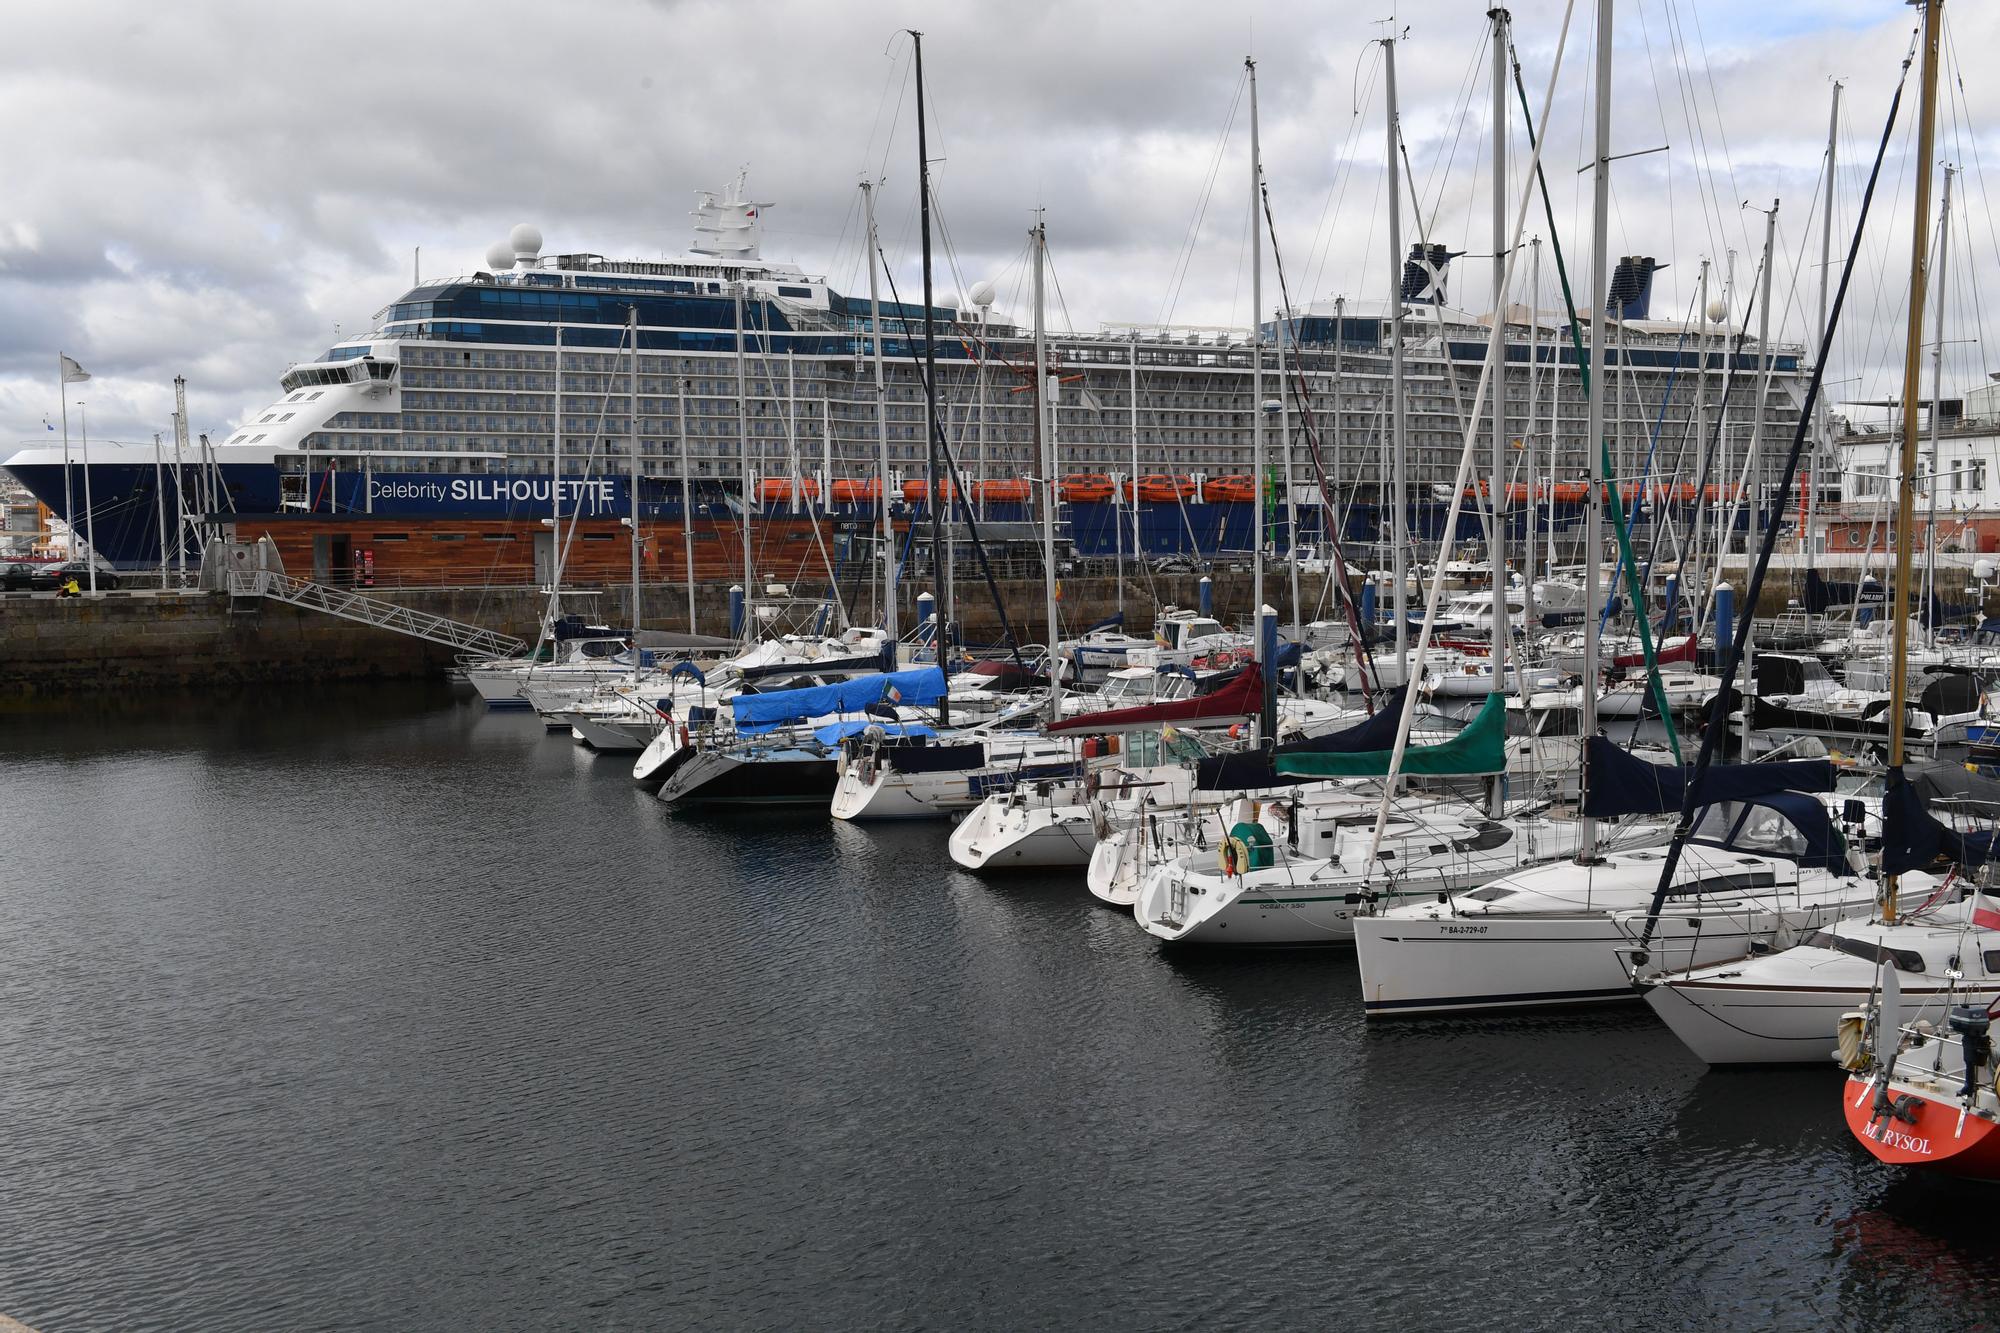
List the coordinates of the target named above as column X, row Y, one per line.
column 1088, row 399
column 72, row 373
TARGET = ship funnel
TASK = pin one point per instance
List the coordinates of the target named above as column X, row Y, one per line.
column 1424, row 273
column 1632, row 287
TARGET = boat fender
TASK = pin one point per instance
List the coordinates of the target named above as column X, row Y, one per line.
column 684, row 735
column 1848, row 1049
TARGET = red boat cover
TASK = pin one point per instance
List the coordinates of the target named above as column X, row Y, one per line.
column 1674, row 650
column 1237, row 701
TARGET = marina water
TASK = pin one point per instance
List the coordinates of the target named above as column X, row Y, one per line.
column 375, row 1011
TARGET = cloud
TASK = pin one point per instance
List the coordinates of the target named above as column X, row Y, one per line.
column 212, row 189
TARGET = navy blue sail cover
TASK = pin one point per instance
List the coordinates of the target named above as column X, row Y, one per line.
column 1621, row 784
column 762, row 712
column 1913, row 838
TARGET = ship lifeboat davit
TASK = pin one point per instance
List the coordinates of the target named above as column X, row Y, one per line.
column 1002, row 492
column 780, row 492
column 1084, row 488
column 1163, row 489
column 1240, row 488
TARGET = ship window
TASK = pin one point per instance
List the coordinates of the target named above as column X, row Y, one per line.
column 392, row 536
column 447, row 536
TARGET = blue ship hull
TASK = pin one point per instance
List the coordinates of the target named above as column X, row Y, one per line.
column 126, row 506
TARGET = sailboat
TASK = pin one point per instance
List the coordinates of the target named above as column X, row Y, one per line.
column 1764, row 863
column 1919, row 1093
column 783, row 747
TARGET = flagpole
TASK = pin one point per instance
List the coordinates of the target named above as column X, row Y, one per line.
column 89, row 523
column 69, row 497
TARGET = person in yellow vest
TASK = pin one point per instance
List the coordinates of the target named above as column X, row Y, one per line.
column 69, row 589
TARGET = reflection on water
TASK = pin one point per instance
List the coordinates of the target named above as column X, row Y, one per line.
column 379, row 1011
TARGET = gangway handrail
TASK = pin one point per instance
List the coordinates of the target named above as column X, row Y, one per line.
column 376, row 611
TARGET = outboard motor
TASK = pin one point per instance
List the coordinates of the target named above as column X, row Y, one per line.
column 1972, row 1025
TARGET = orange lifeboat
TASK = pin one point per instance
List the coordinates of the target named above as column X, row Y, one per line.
column 1084, row 488
column 1238, row 489
column 850, row 492
column 1162, row 489
column 916, row 492
column 1002, row 492
column 780, row 492
column 1714, row 492
column 1570, row 492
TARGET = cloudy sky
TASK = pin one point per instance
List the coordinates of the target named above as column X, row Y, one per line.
column 219, row 189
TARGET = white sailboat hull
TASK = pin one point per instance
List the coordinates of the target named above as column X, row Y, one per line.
column 1444, row 963
column 1001, row 834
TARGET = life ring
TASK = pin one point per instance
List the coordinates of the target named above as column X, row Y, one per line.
column 1231, row 855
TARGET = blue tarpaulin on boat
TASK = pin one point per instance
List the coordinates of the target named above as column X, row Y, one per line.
column 833, row 733
column 1621, row 784
column 762, row 712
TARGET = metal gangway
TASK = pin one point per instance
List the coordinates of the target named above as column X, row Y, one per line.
column 253, row 571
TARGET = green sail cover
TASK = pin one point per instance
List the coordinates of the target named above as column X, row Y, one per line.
column 1478, row 750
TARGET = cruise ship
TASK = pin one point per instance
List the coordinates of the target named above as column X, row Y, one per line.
column 756, row 392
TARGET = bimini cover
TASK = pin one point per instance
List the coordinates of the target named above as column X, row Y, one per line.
column 1623, row 785
column 1816, row 843
column 1913, row 837
column 762, row 712
column 1479, row 749
column 1256, row 768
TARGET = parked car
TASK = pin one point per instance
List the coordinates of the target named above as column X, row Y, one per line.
column 79, row 570
column 29, row 577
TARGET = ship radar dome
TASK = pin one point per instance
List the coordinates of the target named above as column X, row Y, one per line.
column 500, row 255
column 526, row 240
column 1717, row 311
column 982, row 294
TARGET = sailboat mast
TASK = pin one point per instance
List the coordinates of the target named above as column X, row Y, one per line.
column 632, row 479
column 1937, row 411
column 1593, row 433
column 1045, row 432
column 1822, row 440
column 1257, row 403
column 933, row 492
column 682, row 387
column 743, row 446
column 1528, row 536
column 1497, row 550
column 881, row 419
column 1753, row 471
column 1913, row 352
column 1398, row 464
